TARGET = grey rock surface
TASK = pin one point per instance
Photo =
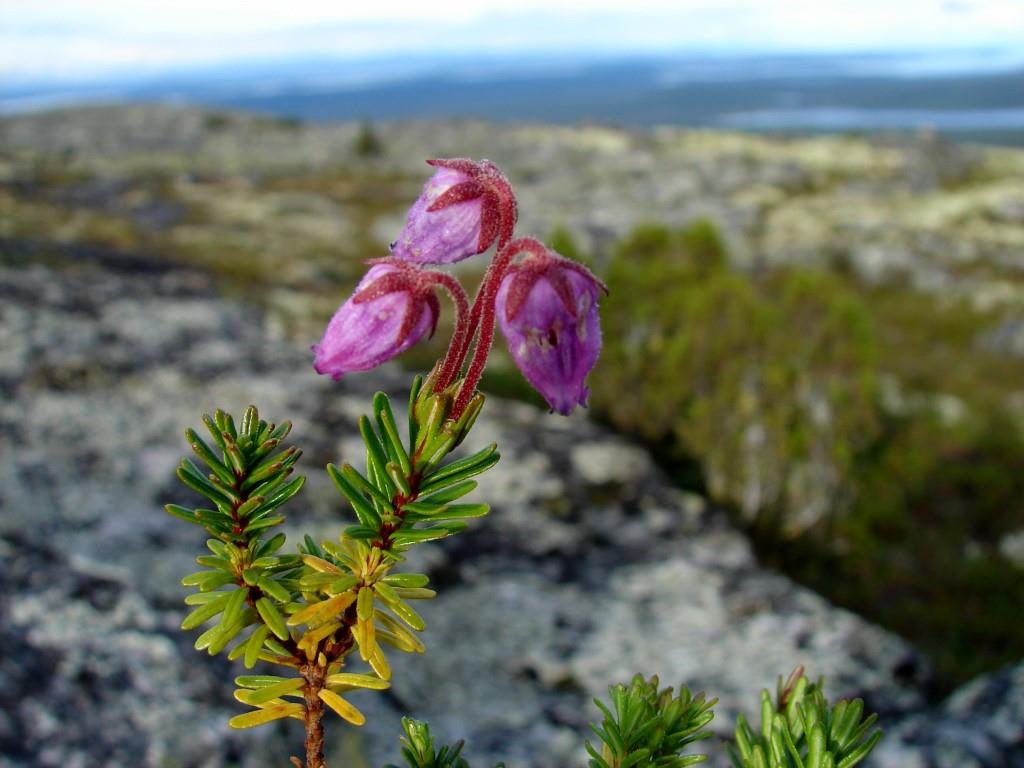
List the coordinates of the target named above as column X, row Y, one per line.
column 591, row 566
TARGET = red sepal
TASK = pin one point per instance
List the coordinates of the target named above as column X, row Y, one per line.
column 498, row 209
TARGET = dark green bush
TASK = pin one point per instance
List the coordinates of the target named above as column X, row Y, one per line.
column 367, row 143
column 862, row 433
column 921, row 542
column 769, row 382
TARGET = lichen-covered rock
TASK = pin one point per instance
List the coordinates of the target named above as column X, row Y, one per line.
column 589, row 568
column 980, row 725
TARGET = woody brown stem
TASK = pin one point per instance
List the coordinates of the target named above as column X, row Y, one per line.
column 314, row 676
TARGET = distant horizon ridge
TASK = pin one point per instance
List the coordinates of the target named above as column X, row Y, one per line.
column 966, row 96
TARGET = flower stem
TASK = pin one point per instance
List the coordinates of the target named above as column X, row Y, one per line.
column 482, row 318
column 452, row 362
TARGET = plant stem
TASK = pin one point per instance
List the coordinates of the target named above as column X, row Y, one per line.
column 482, row 317
column 313, row 720
column 488, row 289
column 452, row 361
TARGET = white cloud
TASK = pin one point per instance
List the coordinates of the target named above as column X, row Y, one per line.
column 70, row 38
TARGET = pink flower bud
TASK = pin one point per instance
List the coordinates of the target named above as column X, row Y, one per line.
column 392, row 308
column 464, row 208
column 547, row 310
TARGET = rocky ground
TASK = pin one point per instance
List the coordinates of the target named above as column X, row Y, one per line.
column 591, row 567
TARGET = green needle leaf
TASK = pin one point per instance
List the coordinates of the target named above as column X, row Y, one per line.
column 250, row 420
column 365, row 512
column 272, row 588
column 233, row 608
column 214, row 430
column 414, row 392
column 182, row 513
column 860, row 752
column 204, row 452
column 266, row 693
column 205, row 612
column 375, row 455
column 389, row 429
column 356, row 480
column 266, row 715
column 190, row 475
column 254, row 644
column 461, row 469
column 272, row 617
column 408, row 580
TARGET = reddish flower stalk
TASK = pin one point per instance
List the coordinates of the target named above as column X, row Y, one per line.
column 483, row 316
column 450, row 367
column 495, row 271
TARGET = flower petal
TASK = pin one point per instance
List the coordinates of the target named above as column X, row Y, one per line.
column 370, row 329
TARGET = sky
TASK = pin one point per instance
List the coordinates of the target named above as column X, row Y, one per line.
column 83, row 40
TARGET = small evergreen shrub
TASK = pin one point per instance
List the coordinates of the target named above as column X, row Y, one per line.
column 320, row 621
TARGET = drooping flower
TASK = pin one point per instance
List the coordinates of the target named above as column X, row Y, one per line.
column 464, row 208
column 547, row 310
column 393, row 307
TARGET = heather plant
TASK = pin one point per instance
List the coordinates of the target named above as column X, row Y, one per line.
column 323, row 619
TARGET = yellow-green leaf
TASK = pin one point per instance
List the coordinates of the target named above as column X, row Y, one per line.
column 266, row 715
column 415, row 593
column 259, row 681
column 205, row 612
column 314, row 636
column 342, row 707
column 400, row 642
column 380, row 665
column 346, row 681
column 397, row 634
column 254, row 644
column 407, row 614
column 272, row 588
column 408, row 580
column 233, row 609
column 272, row 617
column 319, row 564
column 366, row 637
column 323, row 610
column 364, row 607
column 275, row 691
column 312, row 582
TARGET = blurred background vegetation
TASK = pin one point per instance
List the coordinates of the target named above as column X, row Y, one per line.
column 859, row 432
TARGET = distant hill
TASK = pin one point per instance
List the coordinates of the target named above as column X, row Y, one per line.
column 797, row 94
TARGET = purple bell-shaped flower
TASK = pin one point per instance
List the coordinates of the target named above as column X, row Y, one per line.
column 464, row 208
column 393, row 307
column 547, row 310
